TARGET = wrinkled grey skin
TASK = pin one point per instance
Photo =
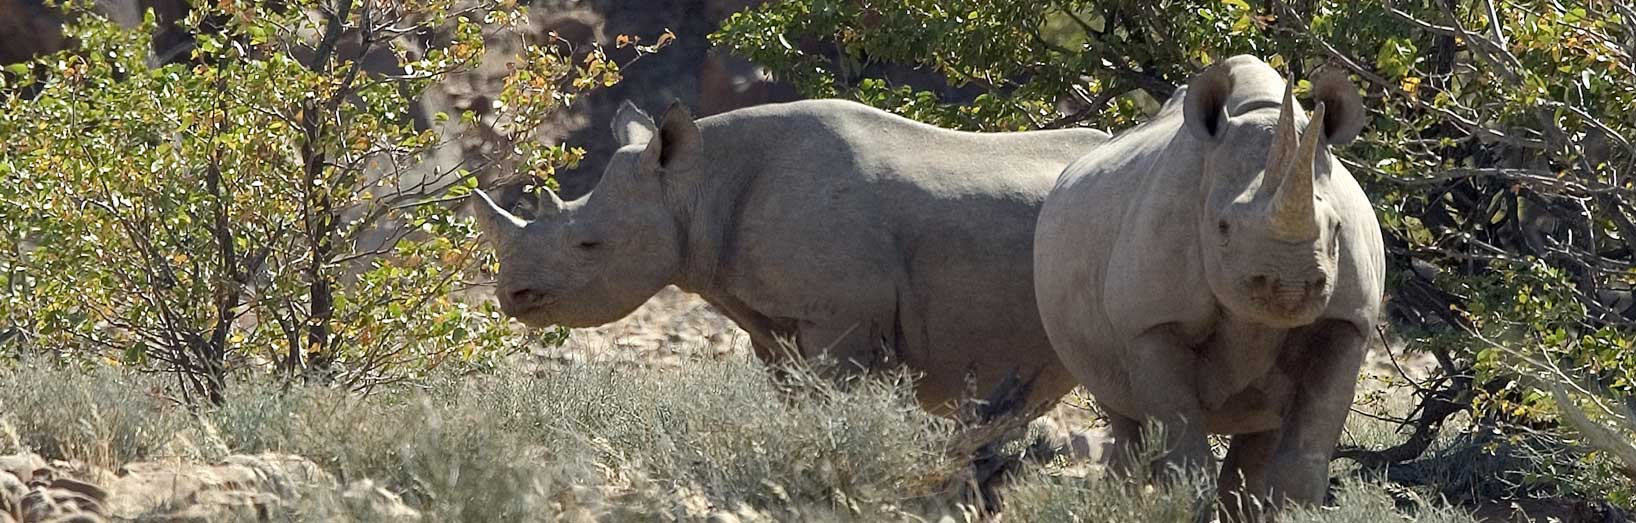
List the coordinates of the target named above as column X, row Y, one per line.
column 1207, row 271
column 852, row 231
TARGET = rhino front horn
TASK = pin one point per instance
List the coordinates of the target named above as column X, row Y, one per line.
column 1294, row 216
column 496, row 218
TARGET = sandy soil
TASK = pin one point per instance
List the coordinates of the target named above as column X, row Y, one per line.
column 670, row 326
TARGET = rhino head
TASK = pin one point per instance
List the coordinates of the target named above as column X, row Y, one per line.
column 1269, row 233
column 593, row 260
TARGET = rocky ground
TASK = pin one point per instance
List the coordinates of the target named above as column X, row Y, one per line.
column 238, row 488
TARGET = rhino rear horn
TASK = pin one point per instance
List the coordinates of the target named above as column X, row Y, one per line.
column 550, row 203
column 1286, row 137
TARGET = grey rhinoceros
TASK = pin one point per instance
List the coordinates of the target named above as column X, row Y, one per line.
column 1217, row 270
column 854, row 232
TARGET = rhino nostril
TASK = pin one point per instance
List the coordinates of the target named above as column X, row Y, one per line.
column 527, row 297
column 1320, row 282
column 1260, row 282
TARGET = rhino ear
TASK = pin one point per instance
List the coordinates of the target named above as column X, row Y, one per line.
column 1204, row 112
column 631, row 125
column 1344, row 115
column 677, row 144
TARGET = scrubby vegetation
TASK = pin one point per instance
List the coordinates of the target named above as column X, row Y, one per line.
column 609, row 441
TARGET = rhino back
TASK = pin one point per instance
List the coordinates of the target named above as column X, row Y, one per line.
column 847, row 210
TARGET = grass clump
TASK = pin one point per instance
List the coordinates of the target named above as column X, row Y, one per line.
column 1369, row 502
column 96, row 414
column 593, row 439
column 1051, row 498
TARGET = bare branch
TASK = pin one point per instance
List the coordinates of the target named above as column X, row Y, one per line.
column 1596, row 434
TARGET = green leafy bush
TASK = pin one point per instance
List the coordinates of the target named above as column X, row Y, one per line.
column 271, row 199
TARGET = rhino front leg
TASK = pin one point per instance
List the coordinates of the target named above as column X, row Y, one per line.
column 1126, row 449
column 1161, row 375
column 1324, row 385
column 1242, row 487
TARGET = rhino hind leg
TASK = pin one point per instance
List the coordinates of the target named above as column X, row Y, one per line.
column 1298, row 470
column 1126, row 449
column 845, row 348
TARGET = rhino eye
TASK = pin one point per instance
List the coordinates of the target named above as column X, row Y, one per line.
column 589, row 244
column 1222, row 227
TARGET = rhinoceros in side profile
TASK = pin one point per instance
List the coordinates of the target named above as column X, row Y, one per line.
column 1217, row 270
column 857, row 233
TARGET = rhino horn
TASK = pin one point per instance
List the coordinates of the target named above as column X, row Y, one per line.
column 550, row 203
column 1294, row 217
column 491, row 213
column 1285, row 136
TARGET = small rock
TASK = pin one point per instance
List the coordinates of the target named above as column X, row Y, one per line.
column 77, row 518
column 54, row 504
column 1092, row 446
column 241, row 484
column 383, row 503
column 693, row 504
column 71, row 502
column 80, row 487
column 12, row 491
column 227, row 505
column 37, row 505
column 723, row 517
column 21, row 465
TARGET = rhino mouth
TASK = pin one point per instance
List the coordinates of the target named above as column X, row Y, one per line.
column 1286, row 311
column 533, row 315
column 550, row 314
